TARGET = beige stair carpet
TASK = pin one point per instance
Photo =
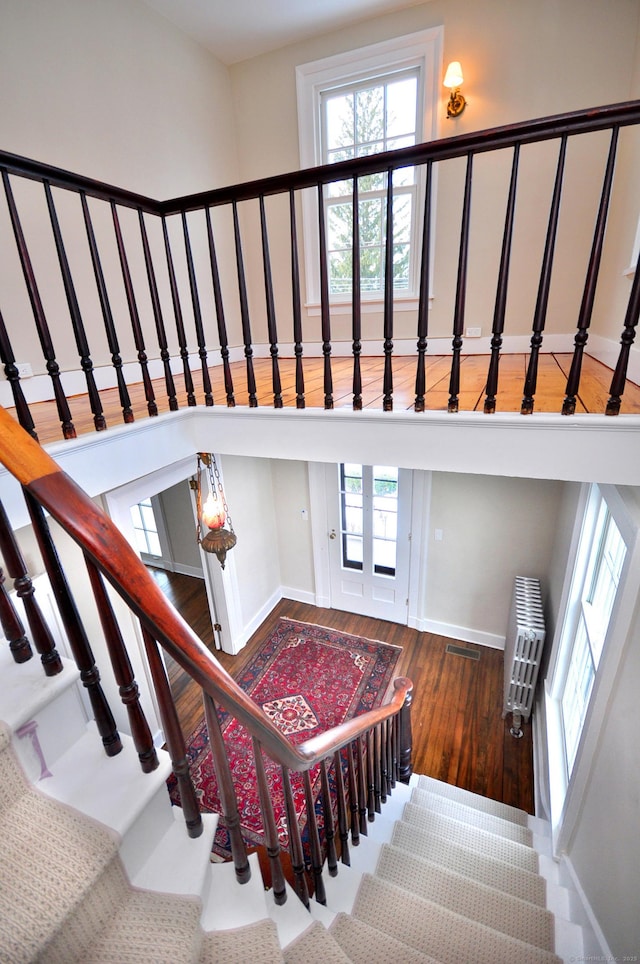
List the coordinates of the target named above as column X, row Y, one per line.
column 476, row 818
column 254, row 944
column 65, row 897
column 437, row 931
column 471, row 799
column 366, row 945
column 482, row 841
column 471, row 863
column 315, row 946
column 489, row 906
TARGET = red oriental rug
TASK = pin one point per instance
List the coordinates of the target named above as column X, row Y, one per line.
column 307, row 679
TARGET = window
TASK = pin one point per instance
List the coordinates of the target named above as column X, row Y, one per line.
column 370, row 100
column 359, row 120
column 146, row 528
column 604, row 553
column 369, row 509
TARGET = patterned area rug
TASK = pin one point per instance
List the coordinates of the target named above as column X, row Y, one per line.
column 307, row 679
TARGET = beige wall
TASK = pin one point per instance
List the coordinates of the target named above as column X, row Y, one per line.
column 521, row 60
column 295, row 551
column 108, row 89
column 178, row 513
column 113, row 90
column 493, row 529
column 604, row 851
column 249, row 490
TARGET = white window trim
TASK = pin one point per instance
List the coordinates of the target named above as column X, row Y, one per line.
column 422, row 49
column 566, row 796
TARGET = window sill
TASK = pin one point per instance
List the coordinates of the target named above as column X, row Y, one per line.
column 367, row 307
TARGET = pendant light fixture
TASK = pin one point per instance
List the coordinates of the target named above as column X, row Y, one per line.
column 212, row 515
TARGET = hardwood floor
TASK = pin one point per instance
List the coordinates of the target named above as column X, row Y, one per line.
column 458, row 732
column 552, row 378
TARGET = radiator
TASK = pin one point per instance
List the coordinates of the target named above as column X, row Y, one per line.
column 523, row 649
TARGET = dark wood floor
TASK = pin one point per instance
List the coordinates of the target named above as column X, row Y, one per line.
column 458, row 732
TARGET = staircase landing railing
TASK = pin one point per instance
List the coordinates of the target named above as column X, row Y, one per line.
column 158, row 275
column 367, row 753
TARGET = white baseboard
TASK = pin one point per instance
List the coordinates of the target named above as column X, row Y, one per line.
column 256, row 620
column 595, row 946
column 463, row 633
column 37, row 388
column 606, row 350
column 299, row 595
column 188, row 570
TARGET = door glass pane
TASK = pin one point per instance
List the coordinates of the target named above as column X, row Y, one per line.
column 385, row 519
column 351, row 515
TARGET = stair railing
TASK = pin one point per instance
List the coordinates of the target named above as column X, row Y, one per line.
column 359, row 760
column 170, row 270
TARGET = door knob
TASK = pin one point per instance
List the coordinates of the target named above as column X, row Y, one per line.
column 332, row 534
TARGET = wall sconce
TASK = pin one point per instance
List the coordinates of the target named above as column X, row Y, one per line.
column 214, row 513
column 453, row 79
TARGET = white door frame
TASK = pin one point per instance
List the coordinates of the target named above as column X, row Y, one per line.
column 221, row 586
column 319, row 495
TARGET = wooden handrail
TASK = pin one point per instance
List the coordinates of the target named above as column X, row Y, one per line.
column 104, row 544
column 523, row 132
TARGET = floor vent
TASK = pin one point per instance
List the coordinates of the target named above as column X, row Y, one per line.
column 461, row 651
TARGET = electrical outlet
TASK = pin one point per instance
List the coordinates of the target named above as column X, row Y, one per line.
column 24, row 369
column 474, row 332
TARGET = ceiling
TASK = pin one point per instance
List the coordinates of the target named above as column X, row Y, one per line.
column 236, row 30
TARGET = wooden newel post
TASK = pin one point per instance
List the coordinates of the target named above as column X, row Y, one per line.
column 405, row 767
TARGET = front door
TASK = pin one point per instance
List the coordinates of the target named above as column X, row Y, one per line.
column 369, row 520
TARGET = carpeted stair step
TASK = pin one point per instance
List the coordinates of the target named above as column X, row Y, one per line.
column 473, row 864
column 475, row 800
column 50, row 858
column 115, row 924
column 255, row 943
column 315, row 946
column 502, row 912
column 473, row 838
column 366, row 945
column 436, row 931
column 475, row 818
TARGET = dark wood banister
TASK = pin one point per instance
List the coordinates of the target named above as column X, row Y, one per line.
column 475, row 142
column 111, row 553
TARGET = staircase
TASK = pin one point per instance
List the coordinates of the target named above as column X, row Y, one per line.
column 97, row 865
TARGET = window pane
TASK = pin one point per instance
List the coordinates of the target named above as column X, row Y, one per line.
column 352, row 552
column 339, row 113
column 154, row 544
column 352, row 477
column 384, row 557
column 402, row 106
column 148, row 518
column 141, row 540
column 577, row 690
column 369, row 109
column 353, row 514
column 136, row 517
column 340, row 226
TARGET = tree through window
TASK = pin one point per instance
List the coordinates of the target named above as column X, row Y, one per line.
column 357, row 121
column 356, row 104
